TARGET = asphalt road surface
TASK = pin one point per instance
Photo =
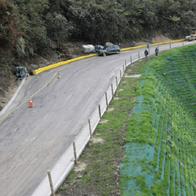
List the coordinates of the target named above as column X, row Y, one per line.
column 32, row 140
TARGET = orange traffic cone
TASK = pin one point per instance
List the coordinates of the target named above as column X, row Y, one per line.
column 30, row 104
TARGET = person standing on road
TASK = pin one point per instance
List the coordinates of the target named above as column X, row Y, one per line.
column 146, row 53
column 157, row 51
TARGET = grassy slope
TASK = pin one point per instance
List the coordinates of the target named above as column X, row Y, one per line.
column 160, row 151
column 154, row 140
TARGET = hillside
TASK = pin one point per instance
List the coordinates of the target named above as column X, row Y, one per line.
column 34, row 25
column 145, row 142
column 38, row 32
column 160, row 150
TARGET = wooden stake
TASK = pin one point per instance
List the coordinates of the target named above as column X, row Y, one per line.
column 51, row 183
column 112, row 90
column 116, row 82
column 99, row 108
column 106, row 99
column 131, row 59
column 120, row 73
column 90, row 128
column 75, row 154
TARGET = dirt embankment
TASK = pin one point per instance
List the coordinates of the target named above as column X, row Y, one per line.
column 7, row 84
column 6, row 91
column 7, row 79
column 8, row 62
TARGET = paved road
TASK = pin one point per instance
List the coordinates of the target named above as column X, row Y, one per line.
column 32, row 140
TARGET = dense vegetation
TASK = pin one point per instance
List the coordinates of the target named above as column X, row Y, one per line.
column 29, row 26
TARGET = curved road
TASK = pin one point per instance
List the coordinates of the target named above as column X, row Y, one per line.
column 32, row 140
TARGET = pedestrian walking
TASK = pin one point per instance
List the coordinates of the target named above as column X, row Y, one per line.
column 146, row 53
column 156, row 51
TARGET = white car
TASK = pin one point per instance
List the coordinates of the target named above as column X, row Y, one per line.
column 88, row 48
column 191, row 37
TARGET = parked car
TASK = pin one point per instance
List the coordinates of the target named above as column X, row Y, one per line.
column 98, row 47
column 21, row 72
column 88, row 48
column 191, row 37
column 107, row 50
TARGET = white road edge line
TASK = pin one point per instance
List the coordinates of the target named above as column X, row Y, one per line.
column 4, row 110
column 25, row 100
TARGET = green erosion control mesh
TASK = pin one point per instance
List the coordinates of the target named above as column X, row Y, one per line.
column 160, row 152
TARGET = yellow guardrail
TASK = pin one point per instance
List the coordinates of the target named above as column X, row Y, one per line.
column 168, row 42
column 53, row 66
column 154, row 44
column 133, row 48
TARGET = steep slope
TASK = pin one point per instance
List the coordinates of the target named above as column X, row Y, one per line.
column 160, row 157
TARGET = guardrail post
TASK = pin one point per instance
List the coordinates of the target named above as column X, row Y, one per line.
column 123, row 68
column 125, row 63
column 51, row 183
column 99, row 108
column 106, row 99
column 75, row 154
column 90, row 128
column 170, row 45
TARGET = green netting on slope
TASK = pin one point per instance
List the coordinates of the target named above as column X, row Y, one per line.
column 137, row 154
column 179, row 75
column 139, row 107
column 161, row 151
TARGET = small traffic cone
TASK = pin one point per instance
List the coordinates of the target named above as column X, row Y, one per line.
column 30, row 104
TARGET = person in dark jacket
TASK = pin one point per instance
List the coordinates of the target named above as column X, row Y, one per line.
column 156, row 51
column 146, row 53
